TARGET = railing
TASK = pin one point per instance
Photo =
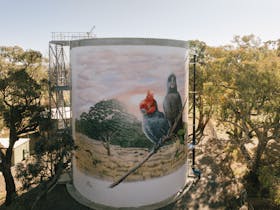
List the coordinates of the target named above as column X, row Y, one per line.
column 68, row 36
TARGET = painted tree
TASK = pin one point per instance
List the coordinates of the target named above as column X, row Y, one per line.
column 108, row 121
column 20, row 106
column 103, row 121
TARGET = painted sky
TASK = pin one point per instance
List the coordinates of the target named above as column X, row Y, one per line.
column 125, row 73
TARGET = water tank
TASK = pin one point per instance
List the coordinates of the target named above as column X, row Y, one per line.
column 123, row 91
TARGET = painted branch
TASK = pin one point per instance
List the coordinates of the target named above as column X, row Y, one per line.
column 154, row 150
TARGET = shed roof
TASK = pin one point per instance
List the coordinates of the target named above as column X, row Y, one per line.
column 5, row 142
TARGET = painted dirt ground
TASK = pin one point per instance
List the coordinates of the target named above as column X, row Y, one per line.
column 92, row 159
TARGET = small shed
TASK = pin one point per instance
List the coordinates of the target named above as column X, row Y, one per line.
column 21, row 149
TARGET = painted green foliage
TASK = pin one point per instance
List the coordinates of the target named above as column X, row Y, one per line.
column 109, row 122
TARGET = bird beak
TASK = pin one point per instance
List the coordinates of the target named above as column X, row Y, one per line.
column 144, row 111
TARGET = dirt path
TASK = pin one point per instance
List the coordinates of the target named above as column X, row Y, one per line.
column 217, row 188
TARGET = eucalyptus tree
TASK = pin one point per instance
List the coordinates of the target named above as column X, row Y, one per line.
column 249, row 108
column 20, row 103
column 207, row 92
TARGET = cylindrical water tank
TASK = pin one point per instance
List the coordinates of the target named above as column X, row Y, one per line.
column 125, row 94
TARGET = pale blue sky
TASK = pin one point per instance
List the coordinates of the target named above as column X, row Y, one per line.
column 29, row 23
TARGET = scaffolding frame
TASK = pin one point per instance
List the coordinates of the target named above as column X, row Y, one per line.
column 60, row 76
column 59, row 83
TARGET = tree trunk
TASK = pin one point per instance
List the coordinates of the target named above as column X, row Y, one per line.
column 106, row 145
column 244, row 152
column 259, row 152
column 7, row 163
column 108, row 148
column 9, row 181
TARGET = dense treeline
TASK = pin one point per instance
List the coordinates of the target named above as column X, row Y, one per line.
column 239, row 87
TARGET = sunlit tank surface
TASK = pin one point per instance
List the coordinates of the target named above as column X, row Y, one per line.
column 126, row 93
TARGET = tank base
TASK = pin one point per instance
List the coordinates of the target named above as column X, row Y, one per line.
column 84, row 201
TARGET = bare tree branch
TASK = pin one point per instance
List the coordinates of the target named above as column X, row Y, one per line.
column 27, row 129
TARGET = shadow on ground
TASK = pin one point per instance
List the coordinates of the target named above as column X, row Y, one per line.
column 217, row 188
column 57, row 199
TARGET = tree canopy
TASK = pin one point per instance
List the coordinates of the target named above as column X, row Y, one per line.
column 20, row 102
column 239, row 87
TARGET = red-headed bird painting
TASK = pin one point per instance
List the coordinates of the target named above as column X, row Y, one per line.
column 154, row 124
column 125, row 99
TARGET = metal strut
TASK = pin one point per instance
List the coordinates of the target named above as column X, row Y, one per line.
column 195, row 171
column 193, row 139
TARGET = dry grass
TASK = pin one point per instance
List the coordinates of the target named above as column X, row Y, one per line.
column 93, row 160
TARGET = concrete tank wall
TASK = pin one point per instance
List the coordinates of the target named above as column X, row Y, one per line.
column 111, row 80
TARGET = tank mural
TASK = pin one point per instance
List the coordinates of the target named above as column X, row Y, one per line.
column 125, row 100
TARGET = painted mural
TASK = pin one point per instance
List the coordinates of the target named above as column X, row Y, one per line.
column 125, row 100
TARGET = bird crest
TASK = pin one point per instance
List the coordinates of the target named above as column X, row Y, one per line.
column 149, row 103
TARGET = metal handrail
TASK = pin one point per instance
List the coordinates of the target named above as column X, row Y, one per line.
column 68, row 36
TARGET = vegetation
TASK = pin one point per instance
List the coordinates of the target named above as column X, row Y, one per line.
column 238, row 88
column 108, row 121
column 52, row 154
column 20, row 106
column 207, row 94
